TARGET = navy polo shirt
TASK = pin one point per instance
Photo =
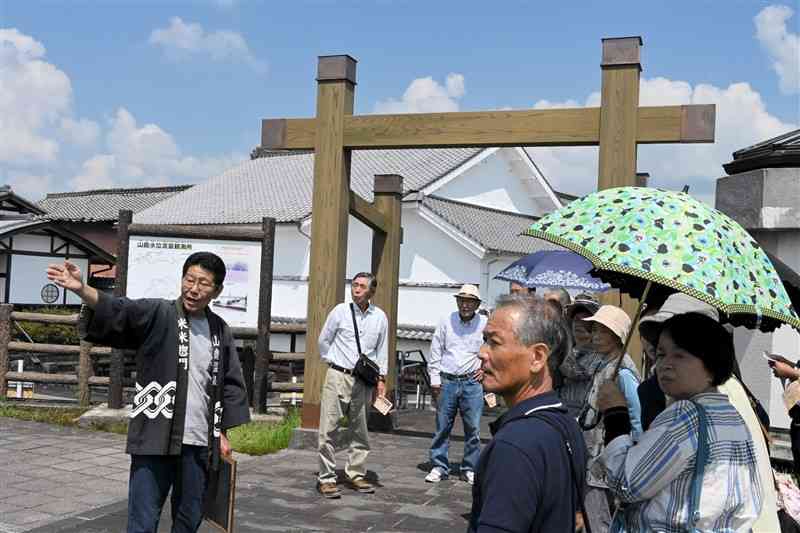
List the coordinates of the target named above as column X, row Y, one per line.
column 524, row 482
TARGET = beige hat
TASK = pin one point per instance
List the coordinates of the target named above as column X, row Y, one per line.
column 614, row 319
column 677, row 304
column 469, row 291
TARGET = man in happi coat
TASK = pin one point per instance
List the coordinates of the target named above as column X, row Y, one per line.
column 189, row 387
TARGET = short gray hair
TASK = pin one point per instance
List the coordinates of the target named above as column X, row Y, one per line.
column 538, row 321
column 370, row 277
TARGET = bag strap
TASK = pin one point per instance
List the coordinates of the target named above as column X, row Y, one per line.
column 568, row 446
column 355, row 328
column 699, row 467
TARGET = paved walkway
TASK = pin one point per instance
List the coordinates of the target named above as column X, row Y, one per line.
column 69, row 480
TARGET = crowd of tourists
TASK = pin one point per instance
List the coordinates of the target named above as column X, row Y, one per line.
column 585, row 442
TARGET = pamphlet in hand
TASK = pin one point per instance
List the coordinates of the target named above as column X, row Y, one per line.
column 382, row 405
column 778, row 358
column 491, row 399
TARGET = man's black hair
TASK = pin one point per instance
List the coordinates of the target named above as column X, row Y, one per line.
column 208, row 261
column 706, row 339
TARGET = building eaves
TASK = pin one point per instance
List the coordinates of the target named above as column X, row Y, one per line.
column 779, row 152
column 103, row 205
column 495, row 230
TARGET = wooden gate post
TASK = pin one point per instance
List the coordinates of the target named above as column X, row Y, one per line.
column 619, row 110
column 336, row 82
column 116, row 369
column 386, row 260
column 85, row 371
column 263, row 353
column 5, row 338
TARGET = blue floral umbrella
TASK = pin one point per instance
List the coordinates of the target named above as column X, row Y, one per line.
column 553, row 268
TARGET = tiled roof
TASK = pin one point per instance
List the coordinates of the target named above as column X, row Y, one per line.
column 493, row 229
column 404, row 331
column 780, row 151
column 103, row 205
column 280, row 185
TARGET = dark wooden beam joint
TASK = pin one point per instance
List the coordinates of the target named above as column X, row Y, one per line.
column 388, row 184
column 698, row 123
column 622, row 51
column 368, row 214
column 336, row 68
column 273, row 133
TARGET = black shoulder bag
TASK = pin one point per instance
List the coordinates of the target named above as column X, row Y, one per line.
column 366, row 369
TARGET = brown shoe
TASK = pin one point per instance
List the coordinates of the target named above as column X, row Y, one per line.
column 329, row 490
column 361, row 485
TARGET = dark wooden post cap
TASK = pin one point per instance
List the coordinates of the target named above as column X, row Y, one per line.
column 619, row 51
column 388, row 184
column 125, row 216
column 336, row 68
column 698, row 123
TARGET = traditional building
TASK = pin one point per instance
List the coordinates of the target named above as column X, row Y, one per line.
column 762, row 193
column 463, row 211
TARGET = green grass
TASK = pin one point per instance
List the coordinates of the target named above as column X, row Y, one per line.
column 259, row 438
column 61, row 416
column 255, row 438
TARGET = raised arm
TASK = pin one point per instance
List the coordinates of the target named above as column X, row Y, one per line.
column 68, row 276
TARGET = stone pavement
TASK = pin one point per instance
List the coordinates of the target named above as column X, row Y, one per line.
column 70, row 480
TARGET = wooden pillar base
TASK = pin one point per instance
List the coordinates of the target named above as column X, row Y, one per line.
column 310, row 416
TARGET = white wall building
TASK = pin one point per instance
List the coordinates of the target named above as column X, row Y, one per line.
column 463, row 210
column 762, row 193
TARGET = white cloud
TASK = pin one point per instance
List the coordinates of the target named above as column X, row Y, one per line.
column 425, row 95
column 34, row 96
column 781, row 45
column 742, row 119
column 182, row 39
column 46, row 148
column 143, row 156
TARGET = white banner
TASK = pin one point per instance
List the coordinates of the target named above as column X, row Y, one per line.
column 155, row 268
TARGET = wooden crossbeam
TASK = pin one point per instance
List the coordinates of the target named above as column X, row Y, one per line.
column 368, row 214
column 536, row 127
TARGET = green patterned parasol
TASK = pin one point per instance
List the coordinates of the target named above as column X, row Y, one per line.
column 633, row 235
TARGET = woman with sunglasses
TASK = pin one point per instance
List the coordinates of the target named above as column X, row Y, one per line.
column 609, row 329
column 695, row 468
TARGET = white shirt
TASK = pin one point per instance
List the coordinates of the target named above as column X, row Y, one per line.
column 455, row 346
column 337, row 341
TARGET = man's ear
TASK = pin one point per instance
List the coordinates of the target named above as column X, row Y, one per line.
column 217, row 292
column 538, row 354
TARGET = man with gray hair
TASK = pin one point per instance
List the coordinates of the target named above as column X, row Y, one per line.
column 530, row 476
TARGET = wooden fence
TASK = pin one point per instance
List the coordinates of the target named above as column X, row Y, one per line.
column 88, row 355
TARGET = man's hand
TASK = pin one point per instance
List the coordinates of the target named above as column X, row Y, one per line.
column 784, row 371
column 225, row 446
column 67, row 276
column 610, row 396
column 435, row 391
column 380, row 389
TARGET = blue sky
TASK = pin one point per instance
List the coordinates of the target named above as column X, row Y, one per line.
column 123, row 93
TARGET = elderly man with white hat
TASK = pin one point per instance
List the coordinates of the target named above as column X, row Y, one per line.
column 455, row 375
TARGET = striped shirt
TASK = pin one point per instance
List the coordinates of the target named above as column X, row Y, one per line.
column 653, row 478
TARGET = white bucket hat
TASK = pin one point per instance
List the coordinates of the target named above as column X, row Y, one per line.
column 614, row 319
column 469, row 291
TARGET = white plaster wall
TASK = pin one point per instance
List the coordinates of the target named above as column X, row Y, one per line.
column 502, row 181
column 292, row 251
column 32, row 243
column 785, row 341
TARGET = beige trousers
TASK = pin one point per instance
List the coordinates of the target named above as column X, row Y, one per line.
column 343, row 396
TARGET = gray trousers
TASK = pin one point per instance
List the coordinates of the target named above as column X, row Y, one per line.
column 598, row 509
column 343, row 396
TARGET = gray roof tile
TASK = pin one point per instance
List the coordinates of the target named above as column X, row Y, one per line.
column 493, row 229
column 103, row 205
column 280, row 185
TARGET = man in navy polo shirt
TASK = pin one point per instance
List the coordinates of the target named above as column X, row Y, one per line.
column 529, row 475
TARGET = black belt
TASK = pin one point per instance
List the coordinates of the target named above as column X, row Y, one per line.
column 457, row 377
column 343, row 370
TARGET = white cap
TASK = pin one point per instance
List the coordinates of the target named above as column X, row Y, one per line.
column 469, row 291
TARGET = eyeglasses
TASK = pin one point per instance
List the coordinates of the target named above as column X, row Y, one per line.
column 202, row 284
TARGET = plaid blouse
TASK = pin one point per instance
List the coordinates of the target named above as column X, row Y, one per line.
column 653, row 477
